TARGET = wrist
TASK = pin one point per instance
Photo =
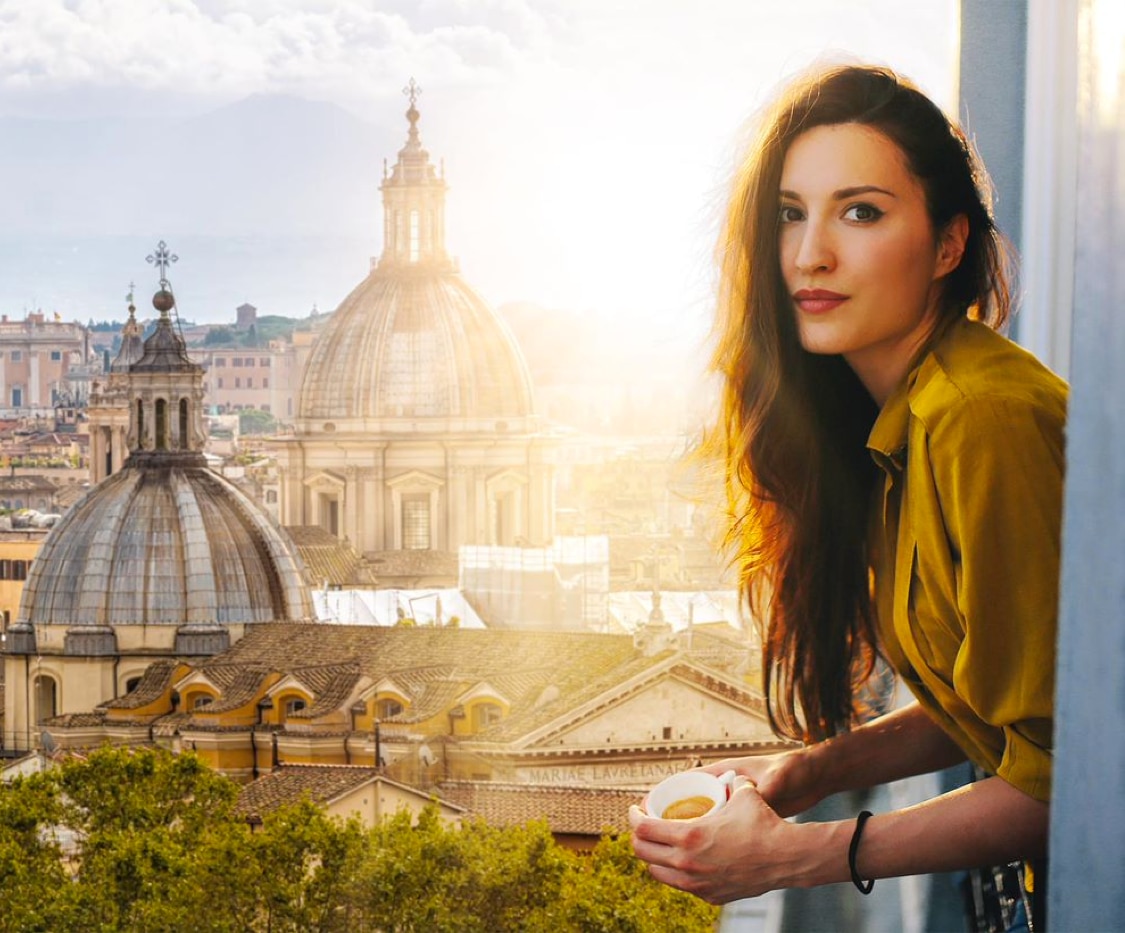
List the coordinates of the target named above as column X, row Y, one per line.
column 823, row 857
column 819, row 769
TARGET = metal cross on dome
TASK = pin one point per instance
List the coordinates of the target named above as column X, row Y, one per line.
column 162, row 259
column 413, row 91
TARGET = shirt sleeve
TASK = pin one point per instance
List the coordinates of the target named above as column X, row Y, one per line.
column 1000, row 480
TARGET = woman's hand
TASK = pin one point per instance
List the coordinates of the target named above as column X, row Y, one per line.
column 790, row 782
column 742, row 850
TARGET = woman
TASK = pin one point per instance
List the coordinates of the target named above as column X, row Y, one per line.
column 894, row 472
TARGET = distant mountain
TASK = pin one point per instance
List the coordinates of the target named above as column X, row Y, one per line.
column 266, row 165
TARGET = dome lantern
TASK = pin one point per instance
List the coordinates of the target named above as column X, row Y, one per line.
column 413, row 202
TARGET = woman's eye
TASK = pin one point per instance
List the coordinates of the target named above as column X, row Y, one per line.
column 863, row 213
column 790, row 214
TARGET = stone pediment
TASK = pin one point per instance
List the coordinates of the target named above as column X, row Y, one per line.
column 414, row 479
column 291, row 683
column 388, row 685
column 483, row 691
column 324, row 479
column 197, row 678
column 676, row 704
column 505, row 480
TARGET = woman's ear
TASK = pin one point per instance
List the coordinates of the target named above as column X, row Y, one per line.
column 951, row 245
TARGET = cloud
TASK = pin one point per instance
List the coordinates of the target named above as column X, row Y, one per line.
column 344, row 49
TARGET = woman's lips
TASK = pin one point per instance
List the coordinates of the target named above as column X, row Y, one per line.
column 818, row 300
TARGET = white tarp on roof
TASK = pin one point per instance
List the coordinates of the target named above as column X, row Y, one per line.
column 386, row 607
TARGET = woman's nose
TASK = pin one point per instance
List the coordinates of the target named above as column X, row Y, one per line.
column 815, row 252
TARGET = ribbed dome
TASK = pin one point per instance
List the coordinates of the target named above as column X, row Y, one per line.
column 415, row 342
column 164, row 542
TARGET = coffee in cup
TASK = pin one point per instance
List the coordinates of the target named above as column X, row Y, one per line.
column 688, row 795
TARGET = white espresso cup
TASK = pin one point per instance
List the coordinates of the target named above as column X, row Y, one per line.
column 688, row 795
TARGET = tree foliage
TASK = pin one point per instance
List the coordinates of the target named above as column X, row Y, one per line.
column 141, row 840
column 256, row 421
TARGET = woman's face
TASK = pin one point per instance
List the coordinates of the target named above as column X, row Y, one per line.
column 858, row 251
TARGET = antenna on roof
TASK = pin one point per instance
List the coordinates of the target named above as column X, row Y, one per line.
column 425, row 755
column 47, row 742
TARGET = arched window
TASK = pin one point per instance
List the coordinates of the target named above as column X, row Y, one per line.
column 46, row 698
column 184, row 424
column 131, row 684
column 294, row 705
column 387, row 707
column 161, row 424
column 485, row 714
column 415, row 246
column 201, row 701
column 140, row 424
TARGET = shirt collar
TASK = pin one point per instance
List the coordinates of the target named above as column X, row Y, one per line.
column 888, row 438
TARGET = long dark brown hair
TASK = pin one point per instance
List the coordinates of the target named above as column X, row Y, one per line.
column 792, row 426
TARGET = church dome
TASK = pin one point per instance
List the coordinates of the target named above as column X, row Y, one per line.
column 415, row 343
column 164, row 540
column 414, row 340
column 170, row 544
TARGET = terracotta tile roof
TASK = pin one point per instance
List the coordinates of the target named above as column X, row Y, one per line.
column 290, row 783
column 238, row 684
column 77, row 720
column 436, row 665
column 431, row 699
column 152, row 685
column 402, row 653
column 328, row 559
column 171, row 723
column 547, row 677
column 330, row 686
column 575, row 687
column 413, row 564
column 415, row 680
column 574, row 810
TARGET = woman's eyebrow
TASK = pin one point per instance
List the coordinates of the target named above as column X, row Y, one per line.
column 842, row 194
column 845, row 193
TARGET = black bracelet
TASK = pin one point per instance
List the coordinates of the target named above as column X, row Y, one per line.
column 864, row 886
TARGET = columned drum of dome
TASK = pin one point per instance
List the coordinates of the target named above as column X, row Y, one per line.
column 416, row 428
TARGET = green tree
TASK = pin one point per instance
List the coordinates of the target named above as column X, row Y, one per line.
column 312, row 864
column 476, row 877
column 142, row 817
column 256, row 421
column 31, row 860
column 157, row 846
column 612, row 892
column 219, row 337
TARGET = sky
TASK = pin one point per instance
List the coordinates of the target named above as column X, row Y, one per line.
column 587, row 143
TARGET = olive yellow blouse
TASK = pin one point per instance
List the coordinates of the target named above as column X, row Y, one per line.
column 965, row 545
